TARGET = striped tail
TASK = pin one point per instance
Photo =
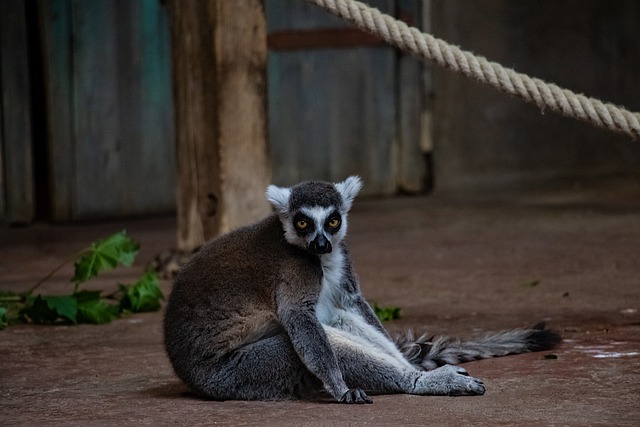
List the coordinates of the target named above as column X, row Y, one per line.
column 429, row 352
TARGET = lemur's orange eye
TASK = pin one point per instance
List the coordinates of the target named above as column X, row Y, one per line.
column 334, row 222
column 301, row 224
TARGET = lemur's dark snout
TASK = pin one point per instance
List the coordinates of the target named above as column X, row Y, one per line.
column 320, row 245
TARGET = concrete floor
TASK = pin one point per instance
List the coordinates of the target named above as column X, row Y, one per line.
column 454, row 266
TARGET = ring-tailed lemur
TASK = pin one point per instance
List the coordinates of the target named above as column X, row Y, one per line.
column 274, row 311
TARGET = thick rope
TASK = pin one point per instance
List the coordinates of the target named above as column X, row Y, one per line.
column 532, row 90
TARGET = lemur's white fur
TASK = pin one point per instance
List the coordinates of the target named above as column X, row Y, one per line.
column 349, row 189
column 335, row 311
column 331, row 299
column 279, row 198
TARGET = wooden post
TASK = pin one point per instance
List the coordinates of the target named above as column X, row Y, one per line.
column 219, row 66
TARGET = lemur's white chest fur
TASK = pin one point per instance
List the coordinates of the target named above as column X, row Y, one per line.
column 335, row 309
column 332, row 301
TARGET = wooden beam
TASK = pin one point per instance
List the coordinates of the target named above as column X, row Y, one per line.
column 219, row 66
column 324, row 38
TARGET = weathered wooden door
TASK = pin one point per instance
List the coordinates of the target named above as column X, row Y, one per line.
column 342, row 102
column 108, row 84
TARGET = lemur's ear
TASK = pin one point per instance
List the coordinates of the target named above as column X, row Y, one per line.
column 349, row 189
column 279, row 198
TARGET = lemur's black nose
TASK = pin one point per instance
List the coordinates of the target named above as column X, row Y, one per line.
column 320, row 245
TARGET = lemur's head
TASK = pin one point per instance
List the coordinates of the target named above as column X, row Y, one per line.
column 314, row 213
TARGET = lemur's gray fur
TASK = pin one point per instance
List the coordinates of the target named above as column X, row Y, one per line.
column 274, row 311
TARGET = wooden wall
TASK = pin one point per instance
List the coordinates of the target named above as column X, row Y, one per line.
column 347, row 110
column 485, row 139
column 108, row 85
column 17, row 204
column 110, row 143
column 337, row 105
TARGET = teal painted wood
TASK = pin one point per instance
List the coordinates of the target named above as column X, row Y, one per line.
column 16, row 182
column 330, row 116
column 299, row 15
column 55, row 22
column 332, row 112
column 98, row 146
column 120, row 153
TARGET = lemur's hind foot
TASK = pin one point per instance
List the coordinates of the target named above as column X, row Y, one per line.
column 449, row 380
column 429, row 352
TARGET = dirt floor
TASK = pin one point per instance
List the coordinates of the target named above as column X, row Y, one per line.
column 464, row 265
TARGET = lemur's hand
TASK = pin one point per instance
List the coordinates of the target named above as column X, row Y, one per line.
column 355, row 395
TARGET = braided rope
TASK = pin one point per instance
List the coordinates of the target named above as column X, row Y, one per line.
column 532, row 90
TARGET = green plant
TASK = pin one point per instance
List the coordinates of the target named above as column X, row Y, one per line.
column 85, row 306
column 386, row 313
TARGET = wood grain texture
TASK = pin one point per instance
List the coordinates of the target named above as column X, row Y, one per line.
column 411, row 104
column 333, row 38
column 110, row 108
column 55, row 23
column 332, row 112
column 16, row 183
column 219, row 57
column 331, row 117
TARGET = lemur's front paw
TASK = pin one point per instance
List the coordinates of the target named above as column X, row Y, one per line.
column 355, row 395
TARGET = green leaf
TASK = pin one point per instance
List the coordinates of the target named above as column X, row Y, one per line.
column 105, row 255
column 93, row 309
column 550, row 356
column 144, row 295
column 47, row 309
column 10, row 316
column 11, row 306
column 386, row 313
column 532, row 283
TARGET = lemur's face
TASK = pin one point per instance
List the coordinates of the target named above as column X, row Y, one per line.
column 313, row 213
column 317, row 228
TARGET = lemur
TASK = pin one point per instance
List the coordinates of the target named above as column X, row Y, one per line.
column 274, row 311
